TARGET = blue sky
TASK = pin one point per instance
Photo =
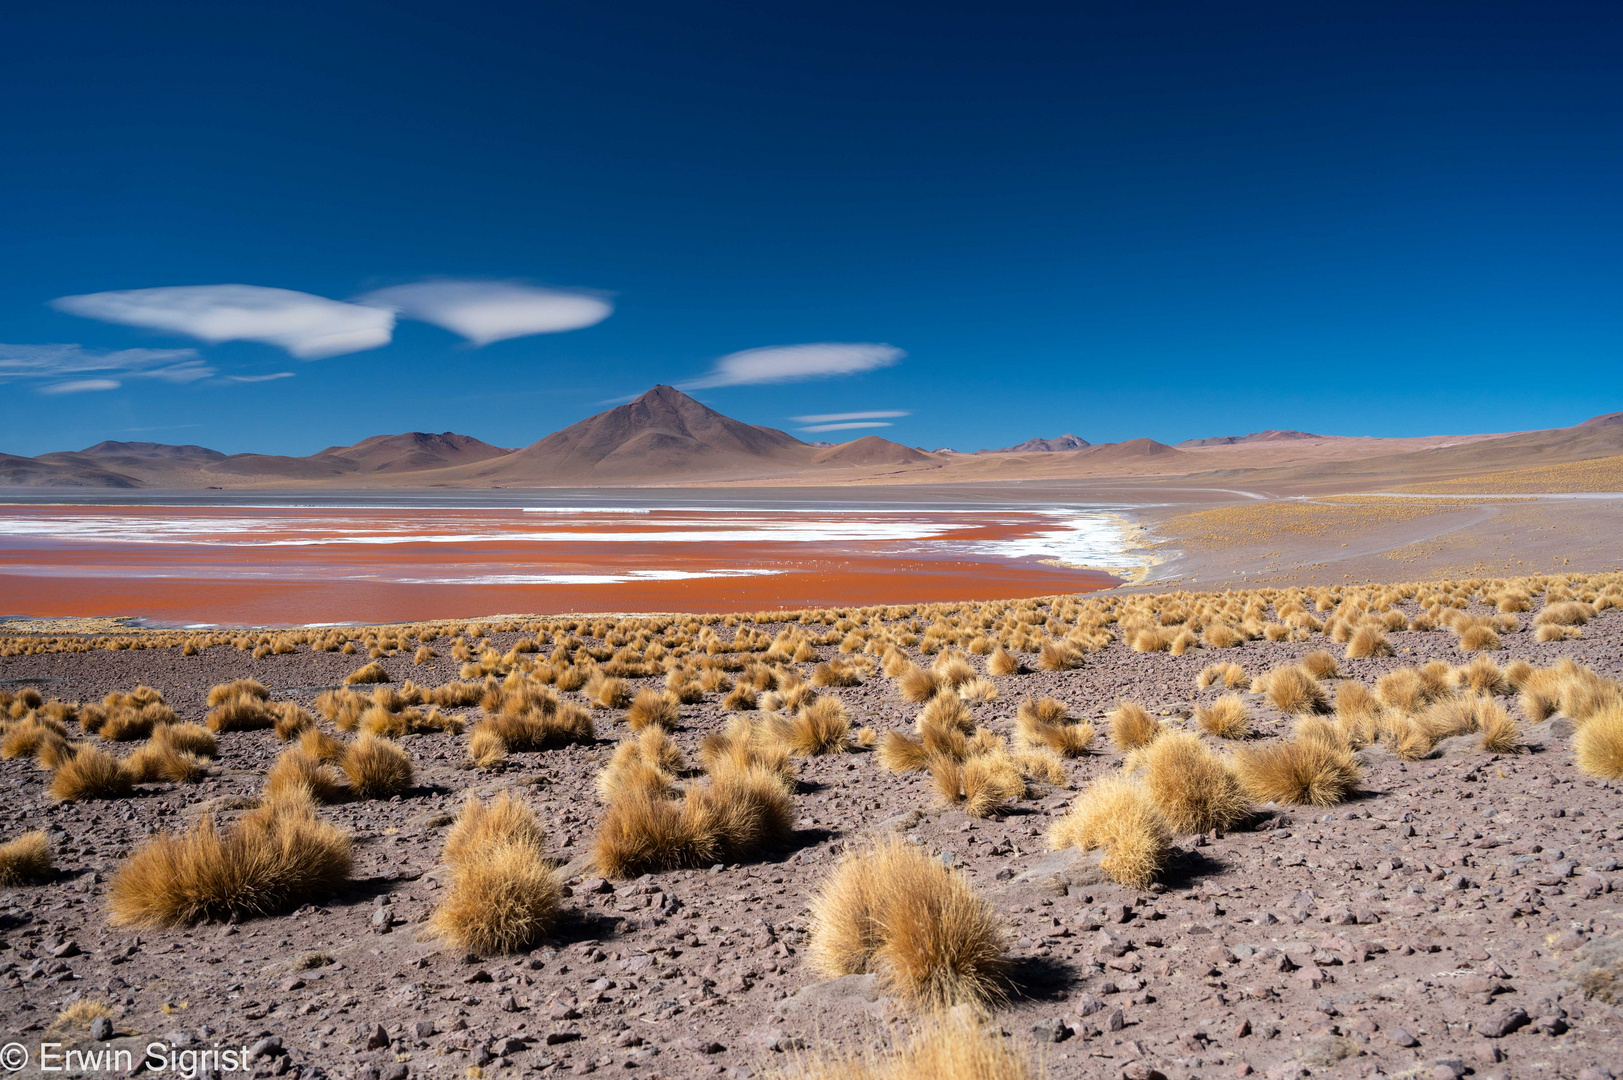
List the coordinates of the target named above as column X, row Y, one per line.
column 1169, row 220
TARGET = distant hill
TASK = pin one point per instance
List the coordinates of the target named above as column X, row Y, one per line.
column 870, row 450
column 1271, row 436
column 1045, row 446
column 414, row 451
column 666, row 438
column 662, row 434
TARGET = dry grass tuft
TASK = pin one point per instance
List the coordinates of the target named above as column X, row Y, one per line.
column 1003, row 662
column 899, row 753
column 369, row 673
column 1367, row 643
column 1131, row 726
column 273, row 859
column 822, row 727
column 1230, row 675
column 1293, row 690
column 650, row 708
column 299, row 774
column 1119, row 815
column 504, row 895
column 897, row 912
column 1194, row 789
column 1047, row 723
column 25, row 860
column 1224, row 718
column 1321, row 665
column 735, row 814
column 376, row 767
column 1597, row 745
column 1299, row 770
column 91, row 774
column 1500, row 735
column 917, row 685
column 947, row 1046
column 1479, row 639
column 158, row 762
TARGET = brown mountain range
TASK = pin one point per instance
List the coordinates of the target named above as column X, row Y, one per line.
column 666, row 438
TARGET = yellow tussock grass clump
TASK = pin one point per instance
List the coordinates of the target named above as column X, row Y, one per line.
column 157, row 762
column 1224, row 718
column 606, row 692
column 650, row 708
column 1566, row 613
column 734, row 814
column 297, row 773
column 901, row 753
column 1118, row 815
column 917, row 685
column 25, row 860
column 376, row 767
column 1194, row 789
column 1367, row 642
column 896, row 912
column 1047, row 722
column 224, row 692
column 1500, row 735
column 1321, row 665
column 949, row 1046
column 1293, row 690
column 291, row 720
column 273, row 859
column 978, row 689
column 1002, row 662
column 1131, row 726
column 1597, row 745
column 822, row 727
column 746, row 743
column 243, row 705
column 1298, row 770
column 503, row 895
column 1230, row 675
column 369, row 673
column 952, row 669
column 91, row 774
column 1479, row 639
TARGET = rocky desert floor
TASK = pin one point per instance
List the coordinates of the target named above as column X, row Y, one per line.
column 1455, row 917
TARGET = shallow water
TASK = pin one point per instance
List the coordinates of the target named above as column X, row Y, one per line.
column 291, row 563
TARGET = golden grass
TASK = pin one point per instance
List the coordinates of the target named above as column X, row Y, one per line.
column 917, row 685
column 376, row 767
column 901, row 753
column 945, row 1046
column 736, row 813
column 247, row 711
column 1225, row 718
column 1131, row 726
column 297, row 773
column 1195, row 790
column 503, row 894
column 652, row 708
column 1120, row 816
column 895, row 911
column 1293, row 690
column 1047, row 723
column 25, row 860
column 1230, row 675
column 1298, row 770
column 91, row 774
column 158, row 762
column 368, row 673
column 1597, row 745
column 1368, row 642
column 822, row 727
column 273, row 859
column 1003, row 662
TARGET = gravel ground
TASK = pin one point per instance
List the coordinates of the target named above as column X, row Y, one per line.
column 1439, row 924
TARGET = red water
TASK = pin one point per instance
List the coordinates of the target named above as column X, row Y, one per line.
column 286, row 565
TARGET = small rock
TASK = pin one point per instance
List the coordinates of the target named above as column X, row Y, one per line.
column 1115, row 1021
column 377, row 1038
column 101, row 1029
column 508, row 1003
column 269, row 1046
column 556, row 1037
column 1398, row 1037
column 1138, row 1070
column 65, row 950
column 397, row 1071
column 596, row 885
column 508, row 1046
column 1448, row 1069
column 1502, row 1023
column 1051, row 1029
column 423, row 1029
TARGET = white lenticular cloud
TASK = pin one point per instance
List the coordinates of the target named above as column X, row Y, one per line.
column 56, row 362
column 80, row 386
column 848, row 427
column 836, row 417
column 791, row 363
column 308, row 326
column 487, row 311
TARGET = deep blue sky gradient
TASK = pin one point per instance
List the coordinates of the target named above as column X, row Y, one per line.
column 1170, row 220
